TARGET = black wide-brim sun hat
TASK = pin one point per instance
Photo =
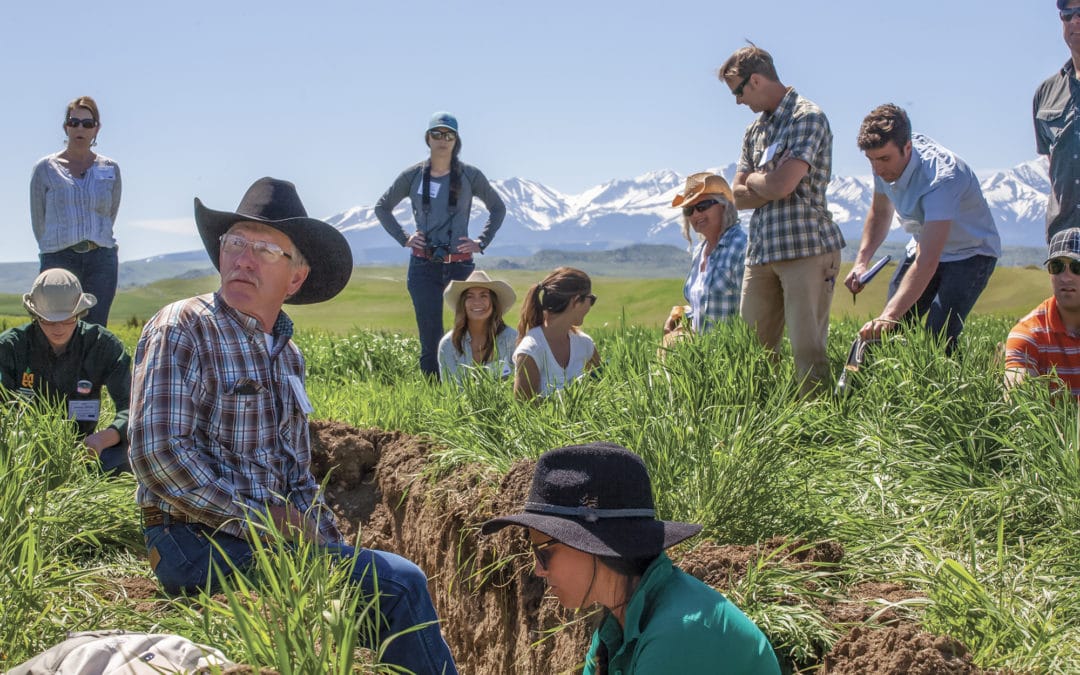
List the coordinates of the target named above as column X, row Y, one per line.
column 275, row 203
column 596, row 498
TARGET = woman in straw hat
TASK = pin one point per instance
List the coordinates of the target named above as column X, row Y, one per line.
column 595, row 539
column 479, row 337
column 714, row 284
column 552, row 350
column 62, row 359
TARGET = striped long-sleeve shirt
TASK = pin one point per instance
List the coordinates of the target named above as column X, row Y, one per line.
column 1040, row 345
column 218, row 428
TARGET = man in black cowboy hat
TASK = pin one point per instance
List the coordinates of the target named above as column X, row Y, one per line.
column 596, row 539
column 219, row 424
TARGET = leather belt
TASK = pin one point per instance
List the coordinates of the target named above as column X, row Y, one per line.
column 152, row 516
column 451, row 258
column 84, row 246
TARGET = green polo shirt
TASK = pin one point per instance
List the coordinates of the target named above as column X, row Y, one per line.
column 678, row 624
column 93, row 357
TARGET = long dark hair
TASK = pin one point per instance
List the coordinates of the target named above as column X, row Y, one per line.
column 493, row 326
column 553, row 294
column 631, row 570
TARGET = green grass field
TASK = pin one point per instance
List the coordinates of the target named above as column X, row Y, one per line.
column 376, row 299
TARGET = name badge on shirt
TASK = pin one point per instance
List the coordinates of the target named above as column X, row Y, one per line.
column 769, row 154
column 300, row 394
column 433, row 192
column 105, row 172
column 84, row 411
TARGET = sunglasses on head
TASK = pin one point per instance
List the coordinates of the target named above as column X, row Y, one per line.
column 703, row 205
column 87, row 123
column 1068, row 15
column 442, row 135
column 1057, row 266
column 541, row 552
column 737, row 91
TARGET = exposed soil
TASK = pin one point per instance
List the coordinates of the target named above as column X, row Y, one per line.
column 495, row 615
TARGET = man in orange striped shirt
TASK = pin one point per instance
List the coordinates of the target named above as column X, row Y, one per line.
column 1047, row 341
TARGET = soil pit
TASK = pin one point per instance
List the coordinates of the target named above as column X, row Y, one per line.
column 495, row 615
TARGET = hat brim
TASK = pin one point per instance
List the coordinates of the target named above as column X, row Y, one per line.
column 502, row 290
column 325, row 248
column 86, row 301
column 630, row 538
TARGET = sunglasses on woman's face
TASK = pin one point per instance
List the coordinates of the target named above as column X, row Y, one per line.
column 542, row 553
column 87, row 123
column 590, row 297
column 442, row 135
column 703, row 205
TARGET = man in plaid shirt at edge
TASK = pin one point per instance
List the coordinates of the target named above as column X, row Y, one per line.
column 219, row 418
column 793, row 255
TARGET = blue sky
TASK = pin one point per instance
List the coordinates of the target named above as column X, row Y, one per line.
column 200, row 98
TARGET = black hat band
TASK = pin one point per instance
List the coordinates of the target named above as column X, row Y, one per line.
column 587, row 513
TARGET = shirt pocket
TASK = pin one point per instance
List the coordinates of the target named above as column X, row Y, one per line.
column 102, row 193
column 237, row 422
column 1052, row 123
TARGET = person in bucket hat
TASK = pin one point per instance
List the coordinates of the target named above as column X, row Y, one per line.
column 714, row 285
column 63, row 359
column 595, row 538
column 1047, row 340
column 441, row 189
column 219, row 435
column 480, row 336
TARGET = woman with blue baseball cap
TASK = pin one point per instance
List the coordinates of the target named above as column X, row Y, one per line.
column 441, row 189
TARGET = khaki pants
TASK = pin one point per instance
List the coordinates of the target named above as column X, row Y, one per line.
column 799, row 293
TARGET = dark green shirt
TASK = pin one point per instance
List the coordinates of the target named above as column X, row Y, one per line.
column 678, row 624
column 93, row 357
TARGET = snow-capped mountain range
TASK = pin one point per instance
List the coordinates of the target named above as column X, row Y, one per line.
column 638, row 210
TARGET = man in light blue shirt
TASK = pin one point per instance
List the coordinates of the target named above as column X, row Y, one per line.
column 954, row 241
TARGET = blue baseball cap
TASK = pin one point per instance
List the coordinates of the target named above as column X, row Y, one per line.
column 443, row 120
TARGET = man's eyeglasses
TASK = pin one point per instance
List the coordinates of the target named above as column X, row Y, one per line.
column 703, row 205
column 541, row 552
column 1068, row 15
column 87, row 123
column 737, row 91
column 234, row 244
column 1057, row 266
column 442, row 135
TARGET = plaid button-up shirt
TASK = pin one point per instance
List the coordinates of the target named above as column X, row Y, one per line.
column 799, row 225
column 723, row 280
column 217, row 427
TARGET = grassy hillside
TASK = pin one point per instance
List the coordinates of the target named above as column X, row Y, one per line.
column 376, row 298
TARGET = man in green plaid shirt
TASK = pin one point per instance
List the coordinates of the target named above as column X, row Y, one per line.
column 793, row 254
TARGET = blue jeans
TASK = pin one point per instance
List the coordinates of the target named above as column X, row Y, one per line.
column 183, row 554
column 97, row 272
column 426, row 282
column 949, row 296
column 114, row 460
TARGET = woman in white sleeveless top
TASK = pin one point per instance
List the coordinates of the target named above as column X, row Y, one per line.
column 552, row 351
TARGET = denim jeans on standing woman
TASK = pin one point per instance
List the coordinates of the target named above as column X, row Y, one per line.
column 427, row 281
column 181, row 555
column 96, row 270
column 950, row 295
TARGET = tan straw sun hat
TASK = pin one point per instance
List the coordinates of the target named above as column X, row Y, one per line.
column 700, row 184
column 480, row 279
column 57, row 295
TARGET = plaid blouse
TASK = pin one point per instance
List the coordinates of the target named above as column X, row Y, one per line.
column 723, row 279
column 217, row 428
column 800, row 225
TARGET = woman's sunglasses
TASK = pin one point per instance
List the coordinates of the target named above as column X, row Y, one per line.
column 442, row 135
column 703, row 205
column 541, row 552
column 88, row 123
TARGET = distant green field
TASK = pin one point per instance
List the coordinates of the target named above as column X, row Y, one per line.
column 376, row 299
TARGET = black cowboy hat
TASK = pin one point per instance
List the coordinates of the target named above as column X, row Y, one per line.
column 596, row 498
column 276, row 204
